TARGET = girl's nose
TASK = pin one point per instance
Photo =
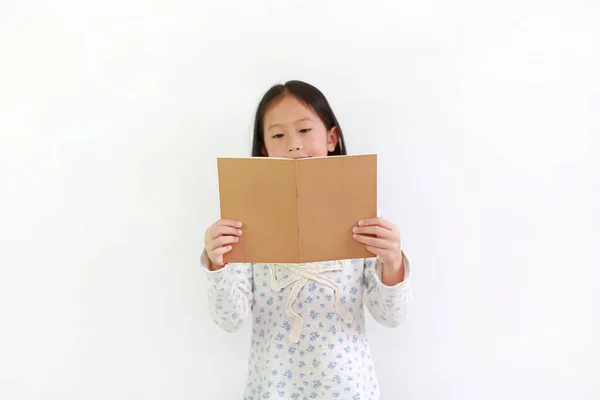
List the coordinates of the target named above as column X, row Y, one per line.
column 294, row 144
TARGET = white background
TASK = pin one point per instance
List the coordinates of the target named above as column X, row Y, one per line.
column 486, row 119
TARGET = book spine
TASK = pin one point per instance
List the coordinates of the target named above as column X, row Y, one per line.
column 298, row 215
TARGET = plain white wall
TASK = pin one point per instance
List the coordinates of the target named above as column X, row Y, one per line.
column 486, row 119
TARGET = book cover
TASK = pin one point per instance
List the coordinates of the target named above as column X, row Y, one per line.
column 298, row 211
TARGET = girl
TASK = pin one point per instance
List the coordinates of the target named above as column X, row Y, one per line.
column 308, row 323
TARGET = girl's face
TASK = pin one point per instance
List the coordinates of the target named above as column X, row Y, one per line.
column 294, row 130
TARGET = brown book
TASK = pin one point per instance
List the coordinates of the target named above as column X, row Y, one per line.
column 298, row 211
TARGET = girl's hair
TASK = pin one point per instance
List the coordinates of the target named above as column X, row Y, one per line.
column 307, row 94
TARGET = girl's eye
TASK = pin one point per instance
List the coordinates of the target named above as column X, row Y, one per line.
column 306, row 130
column 278, row 136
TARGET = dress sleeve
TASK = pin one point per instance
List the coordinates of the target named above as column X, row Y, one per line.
column 230, row 293
column 387, row 304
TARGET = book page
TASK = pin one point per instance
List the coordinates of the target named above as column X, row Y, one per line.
column 261, row 193
column 334, row 194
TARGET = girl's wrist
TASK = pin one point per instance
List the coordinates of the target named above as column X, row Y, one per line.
column 214, row 267
column 394, row 264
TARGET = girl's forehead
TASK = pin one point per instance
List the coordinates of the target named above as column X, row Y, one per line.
column 288, row 110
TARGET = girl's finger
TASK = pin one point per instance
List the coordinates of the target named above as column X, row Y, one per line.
column 219, row 251
column 376, row 250
column 223, row 240
column 227, row 222
column 371, row 241
column 230, row 222
column 225, row 230
column 212, row 232
column 374, row 230
column 384, row 223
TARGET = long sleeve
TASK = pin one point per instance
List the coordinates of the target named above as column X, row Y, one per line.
column 230, row 293
column 387, row 304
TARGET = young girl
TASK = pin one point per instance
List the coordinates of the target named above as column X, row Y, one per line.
column 308, row 323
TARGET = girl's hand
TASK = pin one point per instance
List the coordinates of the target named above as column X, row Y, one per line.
column 384, row 242
column 219, row 239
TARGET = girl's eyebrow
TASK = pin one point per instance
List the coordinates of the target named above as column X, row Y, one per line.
column 295, row 122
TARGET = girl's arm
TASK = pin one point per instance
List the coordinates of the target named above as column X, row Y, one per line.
column 387, row 304
column 230, row 293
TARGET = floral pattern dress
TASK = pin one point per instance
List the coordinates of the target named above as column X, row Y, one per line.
column 308, row 324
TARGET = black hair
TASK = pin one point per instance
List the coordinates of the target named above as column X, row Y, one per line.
column 307, row 94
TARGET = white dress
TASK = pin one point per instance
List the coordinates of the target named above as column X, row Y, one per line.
column 308, row 326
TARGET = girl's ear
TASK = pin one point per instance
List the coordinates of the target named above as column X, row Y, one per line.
column 333, row 137
column 263, row 150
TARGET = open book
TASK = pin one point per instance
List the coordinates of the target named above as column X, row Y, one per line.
column 298, row 211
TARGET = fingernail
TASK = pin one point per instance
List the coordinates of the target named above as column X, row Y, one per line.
column 355, row 229
column 239, row 224
column 237, row 239
column 239, row 232
column 355, row 236
column 360, row 223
